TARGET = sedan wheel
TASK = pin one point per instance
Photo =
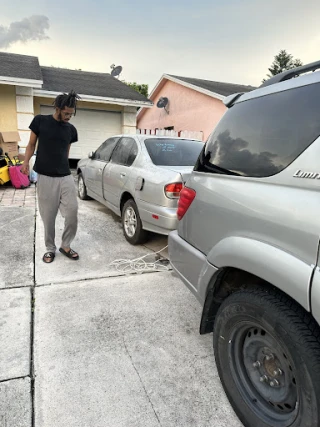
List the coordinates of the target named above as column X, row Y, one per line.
column 82, row 189
column 131, row 223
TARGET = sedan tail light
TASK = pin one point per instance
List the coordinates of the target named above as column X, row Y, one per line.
column 186, row 198
column 173, row 190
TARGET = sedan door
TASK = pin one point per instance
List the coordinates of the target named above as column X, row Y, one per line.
column 95, row 166
column 118, row 170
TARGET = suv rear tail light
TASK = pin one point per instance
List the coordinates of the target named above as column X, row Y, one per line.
column 186, row 198
column 172, row 191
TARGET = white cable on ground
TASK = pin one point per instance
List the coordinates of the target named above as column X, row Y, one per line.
column 139, row 265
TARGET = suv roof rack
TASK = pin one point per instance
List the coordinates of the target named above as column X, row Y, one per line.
column 289, row 74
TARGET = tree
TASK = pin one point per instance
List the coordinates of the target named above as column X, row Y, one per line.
column 141, row 88
column 282, row 62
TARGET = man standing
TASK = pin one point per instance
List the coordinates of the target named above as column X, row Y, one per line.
column 55, row 186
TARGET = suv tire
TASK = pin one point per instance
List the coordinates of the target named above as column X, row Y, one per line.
column 267, row 351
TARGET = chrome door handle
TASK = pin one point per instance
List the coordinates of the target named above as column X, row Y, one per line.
column 100, row 170
column 122, row 175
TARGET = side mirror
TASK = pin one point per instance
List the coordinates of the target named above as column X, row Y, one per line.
column 91, row 155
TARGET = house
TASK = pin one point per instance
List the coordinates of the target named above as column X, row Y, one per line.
column 194, row 106
column 107, row 105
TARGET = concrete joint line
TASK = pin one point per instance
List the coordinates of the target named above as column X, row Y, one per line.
column 14, row 378
column 134, row 367
column 14, row 220
column 32, row 308
column 9, row 288
column 100, row 278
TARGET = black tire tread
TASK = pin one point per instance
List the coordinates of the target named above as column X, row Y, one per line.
column 305, row 323
column 305, row 328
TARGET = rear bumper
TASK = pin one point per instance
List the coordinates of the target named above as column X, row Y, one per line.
column 166, row 221
column 191, row 265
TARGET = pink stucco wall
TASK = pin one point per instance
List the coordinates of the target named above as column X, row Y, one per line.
column 188, row 110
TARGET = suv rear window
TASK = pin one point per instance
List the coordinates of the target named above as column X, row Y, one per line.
column 262, row 136
column 173, row 152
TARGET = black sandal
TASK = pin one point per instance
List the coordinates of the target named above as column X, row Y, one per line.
column 50, row 256
column 70, row 254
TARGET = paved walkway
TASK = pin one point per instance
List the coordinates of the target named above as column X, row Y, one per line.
column 85, row 345
column 9, row 196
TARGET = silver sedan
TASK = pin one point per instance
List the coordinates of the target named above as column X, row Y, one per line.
column 139, row 177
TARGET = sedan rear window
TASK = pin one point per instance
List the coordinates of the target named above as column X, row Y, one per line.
column 173, row 152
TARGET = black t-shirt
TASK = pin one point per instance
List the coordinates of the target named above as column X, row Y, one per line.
column 53, row 141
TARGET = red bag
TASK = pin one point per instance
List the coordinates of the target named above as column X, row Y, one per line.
column 18, row 179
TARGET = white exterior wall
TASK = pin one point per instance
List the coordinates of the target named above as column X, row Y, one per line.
column 129, row 120
column 25, row 113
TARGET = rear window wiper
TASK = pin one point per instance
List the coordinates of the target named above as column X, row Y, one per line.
column 220, row 170
column 204, row 164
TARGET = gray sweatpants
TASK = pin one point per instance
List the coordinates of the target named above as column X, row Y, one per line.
column 58, row 194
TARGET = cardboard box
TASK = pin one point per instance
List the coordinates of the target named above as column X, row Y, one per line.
column 9, row 142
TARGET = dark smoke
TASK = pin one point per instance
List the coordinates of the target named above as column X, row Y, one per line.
column 28, row 29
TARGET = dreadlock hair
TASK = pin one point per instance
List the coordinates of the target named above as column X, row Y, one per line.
column 67, row 100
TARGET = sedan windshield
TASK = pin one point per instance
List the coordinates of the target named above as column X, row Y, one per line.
column 173, row 152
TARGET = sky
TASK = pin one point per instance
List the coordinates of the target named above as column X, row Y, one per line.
column 231, row 41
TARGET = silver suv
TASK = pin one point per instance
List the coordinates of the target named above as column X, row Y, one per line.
column 247, row 246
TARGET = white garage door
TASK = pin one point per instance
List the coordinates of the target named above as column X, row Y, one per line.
column 93, row 126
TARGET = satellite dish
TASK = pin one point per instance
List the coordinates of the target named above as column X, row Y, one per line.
column 162, row 103
column 116, row 71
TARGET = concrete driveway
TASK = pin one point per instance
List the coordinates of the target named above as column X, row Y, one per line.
column 84, row 345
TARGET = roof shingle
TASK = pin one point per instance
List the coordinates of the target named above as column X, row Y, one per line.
column 19, row 66
column 88, row 83
column 224, row 89
column 103, row 85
